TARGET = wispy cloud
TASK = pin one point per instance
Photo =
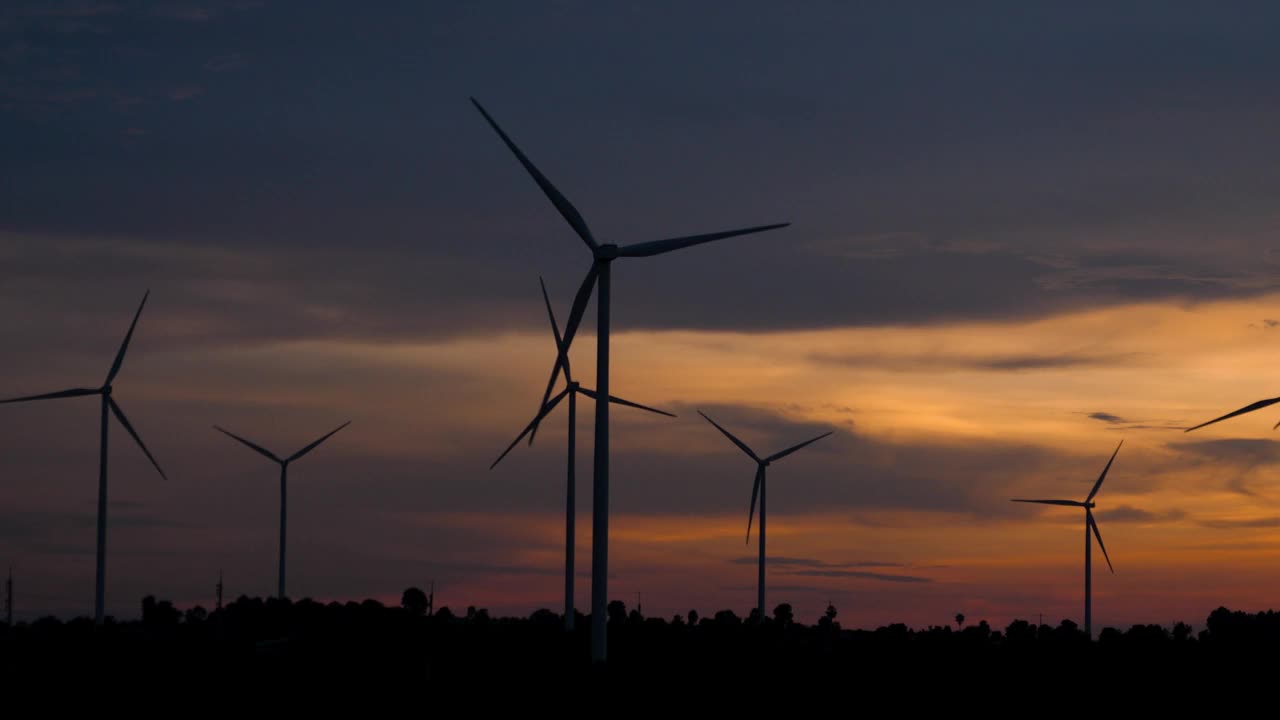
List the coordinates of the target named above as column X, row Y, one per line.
column 862, row 575
column 815, row 564
column 1015, row 362
column 809, row 567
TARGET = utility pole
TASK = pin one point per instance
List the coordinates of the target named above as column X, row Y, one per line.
column 8, row 599
column 218, row 606
column 639, row 605
column 431, row 600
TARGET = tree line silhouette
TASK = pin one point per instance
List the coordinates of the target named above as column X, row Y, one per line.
column 269, row 632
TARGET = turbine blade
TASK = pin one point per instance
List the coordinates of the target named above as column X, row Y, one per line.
column 579, row 307
column 658, row 247
column 250, row 445
column 729, row 435
column 316, row 443
column 1068, row 503
column 74, row 392
column 570, row 330
column 755, row 490
column 124, row 346
column 546, row 410
column 793, row 448
column 1094, row 524
column 115, row 409
column 1103, row 476
column 562, row 354
column 566, row 208
column 1247, row 409
column 619, row 401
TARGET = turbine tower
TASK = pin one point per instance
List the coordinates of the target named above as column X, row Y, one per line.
column 602, row 257
column 1090, row 526
column 109, row 404
column 759, row 489
column 284, row 484
column 572, row 389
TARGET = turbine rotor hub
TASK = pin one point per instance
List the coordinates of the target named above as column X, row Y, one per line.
column 606, row 252
column 106, row 389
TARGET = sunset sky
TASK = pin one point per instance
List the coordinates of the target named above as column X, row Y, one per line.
column 1021, row 233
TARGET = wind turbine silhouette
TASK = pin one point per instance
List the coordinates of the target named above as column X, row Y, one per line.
column 284, row 482
column 602, row 257
column 759, row 489
column 1089, row 525
column 571, row 391
column 108, row 403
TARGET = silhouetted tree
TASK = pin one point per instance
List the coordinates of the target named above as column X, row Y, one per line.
column 959, row 621
column 415, row 601
column 159, row 613
column 1020, row 632
column 195, row 615
column 545, row 617
column 617, row 612
column 693, row 618
column 727, row 617
column 783, row 614
column 828, row 619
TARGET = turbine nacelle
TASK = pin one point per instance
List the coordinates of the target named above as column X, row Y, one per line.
column 605, row 253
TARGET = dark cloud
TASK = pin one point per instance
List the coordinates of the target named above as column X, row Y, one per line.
column 226, row 62
column 320, row 163
column 1256, row 523
column 1130, row 514
column 996, row 363
column 1108, row 418
column 1231, row 450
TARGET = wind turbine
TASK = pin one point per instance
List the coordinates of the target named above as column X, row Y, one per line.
column 759, row 489
column 572, row 389
column 108, row 404
column 602, row 257
column 1090, row 525
column 284, row 481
